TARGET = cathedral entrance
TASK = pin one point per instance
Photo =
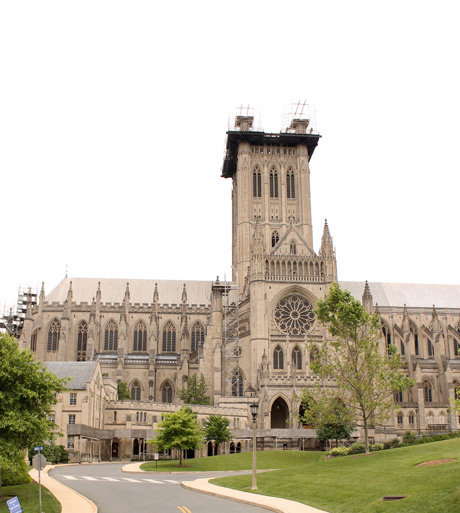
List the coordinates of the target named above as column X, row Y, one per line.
column 280, row 414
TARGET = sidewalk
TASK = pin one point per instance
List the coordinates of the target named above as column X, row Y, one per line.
column 71, row 501
column 254, row 499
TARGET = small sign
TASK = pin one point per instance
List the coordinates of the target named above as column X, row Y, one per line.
column 156, row 456
column 39, row 462
column 38, row 448
column 14, row 506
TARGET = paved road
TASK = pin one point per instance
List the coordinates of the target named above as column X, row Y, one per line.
column 114, row 491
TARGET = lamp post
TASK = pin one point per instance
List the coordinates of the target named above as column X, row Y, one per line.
column 254, row 407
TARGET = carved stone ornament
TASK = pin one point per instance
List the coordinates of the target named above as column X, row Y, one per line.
column 294, row 315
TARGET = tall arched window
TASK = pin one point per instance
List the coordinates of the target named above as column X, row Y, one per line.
column 257, row 183
column 111, row 336
column 275, row 238
column 427, row 391
column 82, row 339
column 169, row 338
column 136, row 391
column 237, row 383
column 403, row 348
column 456, row 347
column 33, row 341
column 290, row 184
column 53, row 336
column 140, row 337
column 293, row 248
column 297, row 358
column 398, row 396
column 278, row 358
column 387, row 336
column 400, row 418
column 456, row 390
column 197, row 338
column 430, row 347
column 167, row 392
column 273, row 184
column 416, row 346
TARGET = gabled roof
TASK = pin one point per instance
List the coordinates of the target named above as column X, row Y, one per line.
column 79, row 372
column 415, row 295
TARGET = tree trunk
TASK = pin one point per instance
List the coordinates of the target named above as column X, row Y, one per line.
column 180, row 457
column 366, row 436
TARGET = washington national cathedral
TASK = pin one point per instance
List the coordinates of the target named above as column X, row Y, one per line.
column 248, row 337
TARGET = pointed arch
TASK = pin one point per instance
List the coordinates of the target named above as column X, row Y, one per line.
column 167, row 391
column 427, row 391
column 278, row 358
column 290, row 184
column 275, row 238
column 297, row 358
column 135, row 389
column 237, row 382
column 33, row 341
column 414, row 335
column 256, row 183
column 82, row 341
column 386, row 335
column 197, row 337
column 273, row 183
column 111, row 336
column 279, row 413
column 54, row 334
column 292, row 248
column 140, row 337
column 169, row 338
column 429, row 347
column 411, row 417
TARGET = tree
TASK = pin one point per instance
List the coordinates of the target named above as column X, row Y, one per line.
column 195, row 393
column 325, row 411
column 27, row 393
column 122, row 391
column 365, row 378
column 216, row 428
column 179, row 430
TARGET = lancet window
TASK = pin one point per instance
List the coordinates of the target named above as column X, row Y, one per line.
column 136, row 391
column 54, row 333
column 167, row 392
column 297, row 358
column 82, row 340
column 257, row 183
column 290, row 184
column 278, row 358
column 275, row 238
column 237, row 383
column 111, row 336
column 169, row 338
column 273, row 183
column 140, row 337
column 33, row 341
column 430, row 347
column 427, row 391
column 197, row 338
column 398, row 396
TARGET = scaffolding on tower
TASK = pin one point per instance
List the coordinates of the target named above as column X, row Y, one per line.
column 13, row 322
column 232, row 385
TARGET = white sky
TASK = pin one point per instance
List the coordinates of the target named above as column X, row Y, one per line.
column 113, row 118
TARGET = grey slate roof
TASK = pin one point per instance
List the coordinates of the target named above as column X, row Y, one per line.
column 141, row 291
column 415, row 295
column 80, row 372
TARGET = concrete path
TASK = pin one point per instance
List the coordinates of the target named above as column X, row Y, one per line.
column 254, row 499
column 71, row 501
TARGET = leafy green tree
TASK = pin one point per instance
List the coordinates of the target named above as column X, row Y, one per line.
column 195, row 393
column 179, row 430
column 216, row 428
column 27, row 393
column 123, row 392
column 366, row 379
column 326, row 412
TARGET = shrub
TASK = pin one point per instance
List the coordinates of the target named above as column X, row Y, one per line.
column 409, row 437
column 377, row 447
column 14, row 470
column 357, row 448
column 339, row 451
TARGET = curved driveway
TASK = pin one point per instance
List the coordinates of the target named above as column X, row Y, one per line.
column 114, row 491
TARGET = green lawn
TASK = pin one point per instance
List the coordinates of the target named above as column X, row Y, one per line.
column 357, row 483
column 28, row 498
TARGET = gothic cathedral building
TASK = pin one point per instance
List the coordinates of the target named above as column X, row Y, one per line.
column 248, row 337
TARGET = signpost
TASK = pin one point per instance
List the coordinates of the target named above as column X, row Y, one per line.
column 155, row 457
column 39, row 463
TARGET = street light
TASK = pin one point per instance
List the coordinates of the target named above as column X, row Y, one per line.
column 254, row 407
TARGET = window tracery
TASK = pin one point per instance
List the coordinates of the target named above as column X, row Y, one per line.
column 256, row 183
column 290, row 184
column 294, row 315
column 140, row 337
column 197, row 338
column 278, row 358
column 275, row 238
column 111, row 336
column 273, row 183
column 33, row 341
column 82, row 339
column 54, row 334
column 297, row 358
column 427, row 391
column 136, row 391
column 167, row 392
column 237, row 383
column 169, row 338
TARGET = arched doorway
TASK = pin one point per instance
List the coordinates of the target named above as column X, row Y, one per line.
column 280, row 414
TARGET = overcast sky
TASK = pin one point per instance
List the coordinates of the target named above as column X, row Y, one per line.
column 113, row 118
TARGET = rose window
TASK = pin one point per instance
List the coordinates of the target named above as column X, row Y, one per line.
column 294, row 315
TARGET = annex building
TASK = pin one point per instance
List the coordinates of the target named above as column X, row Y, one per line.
column 247, row 337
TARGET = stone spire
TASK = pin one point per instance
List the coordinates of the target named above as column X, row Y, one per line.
column 435, row 324
column 405, row 321
column 368, row 300
column 68, row 303
column 125, row 307
column 328, row 254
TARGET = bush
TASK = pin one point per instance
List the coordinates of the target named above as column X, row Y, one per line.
column 357, row 448
column 14, row 470
column 377, row 447
column 56, row 453
column 409, row 437
column 339, row 451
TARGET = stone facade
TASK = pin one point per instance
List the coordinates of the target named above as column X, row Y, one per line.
column 248, row 337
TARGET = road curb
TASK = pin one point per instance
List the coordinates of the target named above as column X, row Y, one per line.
column 71, row 501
